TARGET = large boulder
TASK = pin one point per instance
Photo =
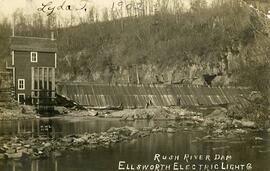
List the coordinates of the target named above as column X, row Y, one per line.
column 219, row 114
column 61, row 110
column 236, row 111
column 244, row 123
column 171, row 130
column 119, row 114
column 248, row 124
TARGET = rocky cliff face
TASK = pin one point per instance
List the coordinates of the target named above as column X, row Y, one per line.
column 192, row 73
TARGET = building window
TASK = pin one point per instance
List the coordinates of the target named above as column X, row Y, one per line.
column 21, row 98
column 21, row 84
column 34, row 57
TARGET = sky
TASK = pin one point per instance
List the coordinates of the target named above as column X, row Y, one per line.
column 7, row 7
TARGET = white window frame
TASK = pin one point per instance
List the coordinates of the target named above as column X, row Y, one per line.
column 19, row 94
column 23, row 88
column 31, row 56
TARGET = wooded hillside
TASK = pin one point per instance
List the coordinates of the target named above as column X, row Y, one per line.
column 226, row 38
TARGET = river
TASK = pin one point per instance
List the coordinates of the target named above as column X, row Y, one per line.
column 126, row 155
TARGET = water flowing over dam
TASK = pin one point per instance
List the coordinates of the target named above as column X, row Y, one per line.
column 130, row 96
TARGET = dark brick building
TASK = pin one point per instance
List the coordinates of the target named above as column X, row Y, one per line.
column 33, row 63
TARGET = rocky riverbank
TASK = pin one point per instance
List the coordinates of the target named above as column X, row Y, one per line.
column 16, row 113
column 44, row 147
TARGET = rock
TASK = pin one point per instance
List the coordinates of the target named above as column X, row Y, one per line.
column 2, row 156
column 207, row 137
column 112, row 129
column 237, row 123
column 267, row 123
column 130, row 119
column 248, row 124
column 188, row 123
column 118, row 114
column 27, row 145
column 208, row 123
column 255, row 96
column 47, row 144
column 158, row 129
column 218, row 115
column 219, row 111
column 30, row 150
column 132, row 130
column 22, row 150
column 2, row 150
column 240, row 131
column 171, row 130
column 258, row 138
column 268, row 130
column 67, row 139
column 10, row 151
column 218, row 131
column 244, row 123
column 60, row 110
column 144, row 134
column 14, row 155
column 197, row 139
column 186, row 129
column 26, row 109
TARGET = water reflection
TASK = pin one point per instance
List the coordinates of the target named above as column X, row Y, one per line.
column 135, row 151
column 60, row 127
column 35, row 165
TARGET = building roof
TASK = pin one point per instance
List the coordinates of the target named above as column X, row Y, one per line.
column 21, row 43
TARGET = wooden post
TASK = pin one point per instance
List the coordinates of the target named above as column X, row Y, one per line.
column 32, row 83
column 53, row 82
column 42, row 77
column 47, row 78
column 13, row 27
column 37, row 127
column 13, row 75
column 19, row 127
column 32, row 128
column 137, row 75
column 38, row 85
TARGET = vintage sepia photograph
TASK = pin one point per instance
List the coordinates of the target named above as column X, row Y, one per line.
column 134, row 85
